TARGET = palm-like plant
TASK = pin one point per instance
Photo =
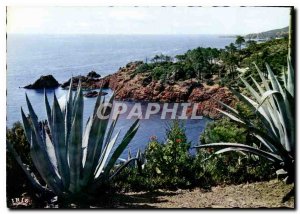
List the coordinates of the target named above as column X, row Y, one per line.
column 274, row 106
column 73, row 163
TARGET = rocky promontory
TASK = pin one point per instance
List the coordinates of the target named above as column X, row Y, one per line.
column 141, row 87
column 132, row 86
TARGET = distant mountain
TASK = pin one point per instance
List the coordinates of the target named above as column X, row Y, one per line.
column 282, row 32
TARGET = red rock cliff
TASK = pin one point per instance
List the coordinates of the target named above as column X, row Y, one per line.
column 141, row 87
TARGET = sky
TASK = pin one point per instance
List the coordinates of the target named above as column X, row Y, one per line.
column 145, row 20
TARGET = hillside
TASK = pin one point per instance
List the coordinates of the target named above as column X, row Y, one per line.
column 282, row 32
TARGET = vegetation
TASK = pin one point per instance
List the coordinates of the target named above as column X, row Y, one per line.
column 274, row 106
column 171, row 165
column 16, row 181
column 74, row 164
column 212, row 66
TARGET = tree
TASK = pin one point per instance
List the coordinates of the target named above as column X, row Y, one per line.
column 155, row 58
column 168, row 58
column 240, row 41
column 181, row 58
column 251, row 43
column 230, row 59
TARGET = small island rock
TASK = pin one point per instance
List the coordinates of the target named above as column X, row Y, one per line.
column 94, row 94
column 47, row 81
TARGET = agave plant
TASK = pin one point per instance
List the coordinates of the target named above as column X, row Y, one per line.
column 274, row 106
column 139, row 162
column 73, row 163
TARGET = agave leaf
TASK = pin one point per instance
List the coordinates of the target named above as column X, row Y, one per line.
column 110, row 130
column 31, row 111
column 275, row 84
column 266, row 95
column 281, row 172
column 289, row 104
column 58, row 140
column 264, row 109
column 229, row 149
column 249, row 87
column 269, row 146
column 231, row 116
column 127, row 138
column 97, row 132
column 245, row 148
column 291, row 79
column 106, row 110
column 120, row 168
column 75, row 143
column 35, row 124
column 39, row 155
column 232, row 110
column 44, row 166
column 48, row 110
column 283, row 116
column 284, row 77
column 129, row 156
column 86, row 136
column 260, row 89
column 98, row 102
column 264, row 81
column 68, row 114
column 51, row 153
column 253, row 106
column 272, row 142
column 105, row 155
column 95, row 146
column 26, row 125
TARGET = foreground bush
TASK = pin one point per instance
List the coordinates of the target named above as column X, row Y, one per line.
column 16, row 181
column 171, row 165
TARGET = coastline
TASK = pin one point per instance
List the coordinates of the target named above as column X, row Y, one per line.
column 139, row 88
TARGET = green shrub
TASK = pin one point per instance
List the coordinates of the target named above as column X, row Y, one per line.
column 145, row 67
column 234, row 167
column 168, row 165
column 158, row 72
column 223, row 131
column 16, row 180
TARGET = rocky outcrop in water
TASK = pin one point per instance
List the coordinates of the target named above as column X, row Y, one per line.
column 88, row 82
column 94, row 94
column 47, row 81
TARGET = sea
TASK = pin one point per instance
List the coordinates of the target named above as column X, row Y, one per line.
column 63, row 56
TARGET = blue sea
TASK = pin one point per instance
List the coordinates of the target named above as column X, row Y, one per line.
column 30, row 56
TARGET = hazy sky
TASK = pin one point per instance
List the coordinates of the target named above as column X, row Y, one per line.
column 145, row 20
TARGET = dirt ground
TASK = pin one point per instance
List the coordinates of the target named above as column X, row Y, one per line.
column 254, row 195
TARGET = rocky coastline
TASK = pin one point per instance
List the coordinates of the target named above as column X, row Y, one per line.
column 129, row 86
column 142, row 88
